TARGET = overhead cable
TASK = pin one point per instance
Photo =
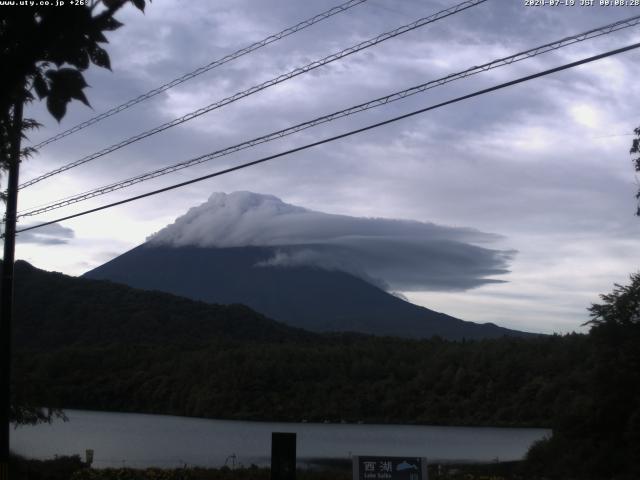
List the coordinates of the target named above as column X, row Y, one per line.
column 338, row 137
column 199, row 71
column 333, row 116
column 262, row 86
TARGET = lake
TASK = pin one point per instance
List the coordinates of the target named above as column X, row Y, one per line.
column 138, row 440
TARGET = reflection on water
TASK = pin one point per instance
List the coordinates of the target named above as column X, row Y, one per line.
column 137, row 440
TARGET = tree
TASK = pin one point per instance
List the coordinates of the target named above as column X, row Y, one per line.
column 43, row 52
column 622, row 306
column 600, row 438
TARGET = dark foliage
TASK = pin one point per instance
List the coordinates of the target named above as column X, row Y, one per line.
column 97, row 345
column 338, row 378
column 31, row 415
column 599, row 437
column 61, row 468
column 620, row 307
column 224, row 473
column 44, row 51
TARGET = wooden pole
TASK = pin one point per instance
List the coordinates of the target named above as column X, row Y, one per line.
column 6, row 298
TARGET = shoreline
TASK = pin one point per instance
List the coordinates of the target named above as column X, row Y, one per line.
column 308, row 422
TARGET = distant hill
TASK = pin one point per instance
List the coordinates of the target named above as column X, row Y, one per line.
column 53, row 310
column 314, row 299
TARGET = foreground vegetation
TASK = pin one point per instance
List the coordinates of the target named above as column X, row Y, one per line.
column 599, row 436
column 72, row 468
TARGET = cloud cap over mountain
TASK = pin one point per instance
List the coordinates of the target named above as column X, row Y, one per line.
column 397, row 254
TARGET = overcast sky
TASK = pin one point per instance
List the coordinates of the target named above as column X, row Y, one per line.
column 542, row 169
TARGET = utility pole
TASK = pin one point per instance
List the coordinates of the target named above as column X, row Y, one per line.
column 6, row 298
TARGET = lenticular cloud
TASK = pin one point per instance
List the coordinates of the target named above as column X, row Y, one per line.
column 399, row 254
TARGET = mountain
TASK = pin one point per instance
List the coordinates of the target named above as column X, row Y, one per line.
column 311, row 298
column 313, row 270
column 53, row 310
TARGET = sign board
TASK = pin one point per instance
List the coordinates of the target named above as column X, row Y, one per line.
column 389, row 468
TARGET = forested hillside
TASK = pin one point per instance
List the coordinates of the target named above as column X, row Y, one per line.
column 97, row 345
column 492, row 382
column 54, row 310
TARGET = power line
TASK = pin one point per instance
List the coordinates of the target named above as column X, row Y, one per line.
column 199, row 71
column 69, row 200
column 257, row 88
column 343, row 135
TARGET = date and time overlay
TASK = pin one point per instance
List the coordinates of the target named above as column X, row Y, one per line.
column 526, row 3
column 581, row 3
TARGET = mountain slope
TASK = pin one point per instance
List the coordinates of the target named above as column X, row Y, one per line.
column 315, row 299
column 53, row 310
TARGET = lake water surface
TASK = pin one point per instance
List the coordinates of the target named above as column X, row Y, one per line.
column 137, row 440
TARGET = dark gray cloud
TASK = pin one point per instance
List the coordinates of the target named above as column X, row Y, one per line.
column 54, row 234
column 405, row 255
column 403, row 264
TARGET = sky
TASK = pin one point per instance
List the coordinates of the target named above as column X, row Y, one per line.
column 540, row 171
